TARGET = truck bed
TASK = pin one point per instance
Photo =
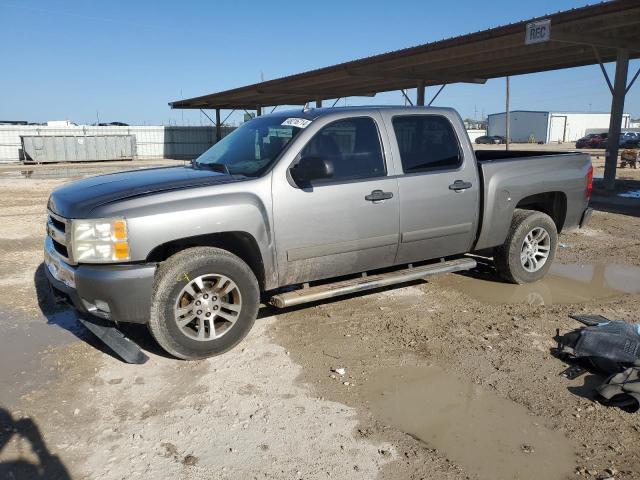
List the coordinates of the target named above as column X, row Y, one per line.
column 513, row 179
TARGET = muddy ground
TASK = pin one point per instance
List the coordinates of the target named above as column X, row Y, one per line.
column 451, row 379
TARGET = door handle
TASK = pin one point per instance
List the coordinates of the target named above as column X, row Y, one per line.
column 460, row 186
column 378, row 195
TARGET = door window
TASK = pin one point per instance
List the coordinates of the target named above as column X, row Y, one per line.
column 353, row 145
column 426, row 142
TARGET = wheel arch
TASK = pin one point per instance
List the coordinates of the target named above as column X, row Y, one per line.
column 553, row 204
column 242, row 244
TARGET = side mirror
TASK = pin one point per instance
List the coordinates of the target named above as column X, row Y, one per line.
column 311, row 168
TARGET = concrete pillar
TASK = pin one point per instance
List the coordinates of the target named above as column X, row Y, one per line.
column 615, row 123
column 420, row 93
column 318, row 103
column 258, row 111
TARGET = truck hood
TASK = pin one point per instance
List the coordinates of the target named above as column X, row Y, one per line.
column 78, row 199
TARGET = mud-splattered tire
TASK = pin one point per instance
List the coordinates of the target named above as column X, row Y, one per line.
column 529, row 249
column 205, row 301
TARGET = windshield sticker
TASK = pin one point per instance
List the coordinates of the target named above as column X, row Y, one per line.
column 296, row 122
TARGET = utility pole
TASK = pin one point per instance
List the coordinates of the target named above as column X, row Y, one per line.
column 507, row 119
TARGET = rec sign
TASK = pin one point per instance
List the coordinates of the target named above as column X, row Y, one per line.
column 538, row 32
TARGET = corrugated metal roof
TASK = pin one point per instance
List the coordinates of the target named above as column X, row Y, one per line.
column 475, row 57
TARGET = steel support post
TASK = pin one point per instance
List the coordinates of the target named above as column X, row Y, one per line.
column 507, row 118
column 420, row 93
column 218, row 126
column 615, row 122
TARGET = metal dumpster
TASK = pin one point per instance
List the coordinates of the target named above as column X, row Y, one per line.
column 81, row 148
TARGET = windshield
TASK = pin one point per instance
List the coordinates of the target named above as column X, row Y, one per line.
column 251, row 148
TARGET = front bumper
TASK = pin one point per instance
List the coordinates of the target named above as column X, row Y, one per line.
column 125, row 290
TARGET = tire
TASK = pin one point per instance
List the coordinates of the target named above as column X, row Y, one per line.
column 508, row 258
column 222, row 283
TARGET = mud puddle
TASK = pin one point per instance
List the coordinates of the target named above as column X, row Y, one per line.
column 489, row 436
column 564, row 284
column 24, row 341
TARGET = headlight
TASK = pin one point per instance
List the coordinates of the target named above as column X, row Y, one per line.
column 100, row 241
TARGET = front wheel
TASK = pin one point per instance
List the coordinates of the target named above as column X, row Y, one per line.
column 205, row 302
column 529, row 249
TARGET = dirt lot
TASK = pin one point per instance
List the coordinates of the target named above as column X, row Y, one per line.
column 450, row 379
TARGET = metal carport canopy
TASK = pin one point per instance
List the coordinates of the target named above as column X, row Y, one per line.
column 582, row 36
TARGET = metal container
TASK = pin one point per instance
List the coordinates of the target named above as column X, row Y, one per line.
column 85, row 148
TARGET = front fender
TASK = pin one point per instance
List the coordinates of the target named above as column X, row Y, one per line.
column 159, row 219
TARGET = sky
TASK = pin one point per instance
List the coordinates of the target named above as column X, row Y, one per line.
column 89, row 60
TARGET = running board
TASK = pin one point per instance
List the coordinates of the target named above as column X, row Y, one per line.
column 330, row 290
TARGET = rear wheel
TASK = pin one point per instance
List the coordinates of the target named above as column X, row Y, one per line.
column 529, row 249
column 205, row 302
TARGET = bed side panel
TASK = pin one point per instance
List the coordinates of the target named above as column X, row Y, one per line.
column 506, row 182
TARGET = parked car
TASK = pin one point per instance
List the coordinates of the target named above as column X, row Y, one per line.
column 304, row 196
column 491, row 139
column 592, row 140
column 585, row 141
column 625, row 140
column 630, row 140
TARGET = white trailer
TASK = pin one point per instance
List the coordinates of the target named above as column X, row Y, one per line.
column 547, row 127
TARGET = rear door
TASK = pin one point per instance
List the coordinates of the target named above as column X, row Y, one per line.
column 438, row 185
column 345, row 224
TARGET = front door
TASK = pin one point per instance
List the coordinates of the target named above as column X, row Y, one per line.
column 438, row 188
column 341, row 225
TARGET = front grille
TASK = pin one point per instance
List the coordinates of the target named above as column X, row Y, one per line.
column 61, row 249
column 58, row 224
column 59, row 232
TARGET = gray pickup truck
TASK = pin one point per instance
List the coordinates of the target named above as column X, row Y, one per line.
column 301, row 206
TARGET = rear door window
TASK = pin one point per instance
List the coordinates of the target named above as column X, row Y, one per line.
column 353, row 145
column 426, row 143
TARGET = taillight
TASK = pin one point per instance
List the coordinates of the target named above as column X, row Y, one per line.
column 589, row 180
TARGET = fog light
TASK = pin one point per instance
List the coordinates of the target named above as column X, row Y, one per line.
column 104, row 306
column 99, row 308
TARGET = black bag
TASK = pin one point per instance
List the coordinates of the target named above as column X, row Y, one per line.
column 611, row 346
